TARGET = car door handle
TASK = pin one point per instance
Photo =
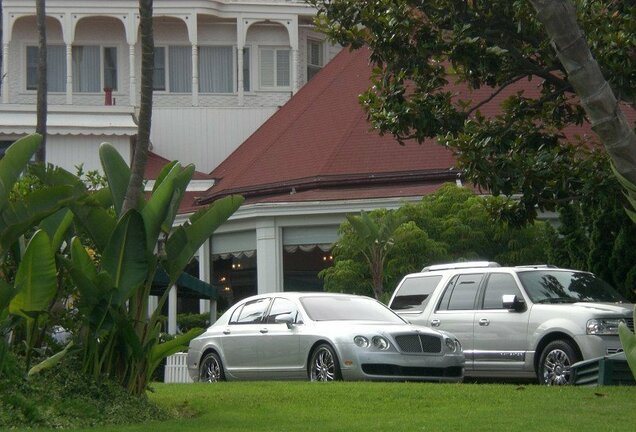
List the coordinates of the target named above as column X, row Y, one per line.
column 264, row 330
column 226, row 332
column 435, row 323
column 484, row 322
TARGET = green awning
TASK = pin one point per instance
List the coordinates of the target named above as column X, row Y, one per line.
column 200, row 288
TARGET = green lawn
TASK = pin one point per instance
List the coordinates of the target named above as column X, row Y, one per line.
column 364, row 406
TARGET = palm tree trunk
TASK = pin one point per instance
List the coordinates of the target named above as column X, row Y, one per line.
column 140, row 151
column 597, row 98
column 40, row 8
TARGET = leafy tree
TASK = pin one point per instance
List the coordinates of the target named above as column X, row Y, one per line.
column 450, row 225
column 419, row 47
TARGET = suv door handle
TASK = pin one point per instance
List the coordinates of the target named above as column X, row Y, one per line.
column 226, row 332
column 435, row 323
column 484, row 322
column 264, row 330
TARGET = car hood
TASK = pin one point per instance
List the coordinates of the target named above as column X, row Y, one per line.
column 612, row 308
column 365, row 327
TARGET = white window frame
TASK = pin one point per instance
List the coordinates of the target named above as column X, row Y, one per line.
column 317, row 67
column 275, row 86
column 234, row 77
column 102, row 63
column 25, row 67
column 167, row 89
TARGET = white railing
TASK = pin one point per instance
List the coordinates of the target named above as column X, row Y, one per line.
column 176, row 370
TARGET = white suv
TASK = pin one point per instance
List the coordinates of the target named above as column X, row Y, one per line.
column 517, row 321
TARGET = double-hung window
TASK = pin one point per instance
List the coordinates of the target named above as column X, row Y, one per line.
column 315, row 58
column 275, row 68
column 216, row 69
column 94, row 68
column 246, row 70
column 55, row 70
column 173, row 69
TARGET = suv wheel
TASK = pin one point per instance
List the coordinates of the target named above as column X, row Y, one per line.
column 555, row 362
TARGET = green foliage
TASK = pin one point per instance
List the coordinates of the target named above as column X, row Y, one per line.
column 109, row 258
column 189, row 321
column 452, row 224
column 439, row 64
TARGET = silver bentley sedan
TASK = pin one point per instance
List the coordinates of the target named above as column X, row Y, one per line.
column 321, row 337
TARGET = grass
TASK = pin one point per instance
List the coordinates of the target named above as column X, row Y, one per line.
column 364, row 406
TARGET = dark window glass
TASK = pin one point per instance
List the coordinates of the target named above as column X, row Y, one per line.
column 159, row 73
column 499, row 284
column 414, row 293
column 280, row 307
column 110, row 68
column 461, row 292
column 337, row 308
column 252, row 312
column 562, row 286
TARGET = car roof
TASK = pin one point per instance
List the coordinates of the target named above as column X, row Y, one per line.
column 485, row 266
column 299, row 294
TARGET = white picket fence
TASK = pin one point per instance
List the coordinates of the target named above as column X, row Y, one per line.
column 176, row 370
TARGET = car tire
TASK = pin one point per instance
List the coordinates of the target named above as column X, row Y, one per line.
column 555, row 362
column 324, row 365
column 211, row 368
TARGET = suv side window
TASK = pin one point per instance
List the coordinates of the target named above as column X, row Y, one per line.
column 414, row 293
column 461, row 292
column 252, row 312
column 499, row 284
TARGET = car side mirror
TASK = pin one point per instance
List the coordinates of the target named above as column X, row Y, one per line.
column 287, row 319
column 512, row 302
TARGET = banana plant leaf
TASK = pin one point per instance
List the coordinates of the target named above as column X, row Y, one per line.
column 96, row 219
column 163, row 173
column 188, row 238
column 181, row 182
column 163, row 350
column 157, row 206
column 36, row 278
column 117, row 174
column 628, row 341
column 12, row 164
column 125, row 258
column 56, row 226
column 51, row 361
column 7, row 291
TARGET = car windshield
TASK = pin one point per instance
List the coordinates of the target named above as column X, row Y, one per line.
column 552, row 286
column 337, row 308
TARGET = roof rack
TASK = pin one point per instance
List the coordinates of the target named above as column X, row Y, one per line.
column 537, row 266
column 461, row 265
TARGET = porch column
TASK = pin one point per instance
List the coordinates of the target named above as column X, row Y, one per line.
column 153, row 302
column 132, row 76
column 241, row 34
column 294, row 75
column 195, row 75
column 208, row 305
column 69, row 74
column 269, row 255
column 5, row 72
column 172, row 310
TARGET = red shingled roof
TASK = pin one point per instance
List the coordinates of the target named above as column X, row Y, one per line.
column 320, row 141
column 156, row 163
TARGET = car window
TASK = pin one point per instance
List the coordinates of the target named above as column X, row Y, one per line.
column 283, row 306
column 498, row 285
column 414, row 292
column 461, row 292
column 565, row 286
column 252, row 312
column 337, row 308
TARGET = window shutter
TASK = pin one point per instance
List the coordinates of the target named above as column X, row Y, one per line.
column 267, row 68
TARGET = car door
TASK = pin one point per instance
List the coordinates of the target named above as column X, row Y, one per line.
column 455, row 312
column 500, row 335
column 241, row 338
column 279, row 345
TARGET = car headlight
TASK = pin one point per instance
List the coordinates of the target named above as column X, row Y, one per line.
column 458, row 344
column 603, row 326
column 450, row 344
column 361, row 341
column 380, row 343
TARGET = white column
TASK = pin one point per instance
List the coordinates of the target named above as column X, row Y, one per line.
column 269, row 256
column 205, row 275
column 294, row 75
column 69, row 74
column 132, row 76
column 5, row 72
column 153, row 302
column 241, row 79
column 172, row 310
column 195, row 75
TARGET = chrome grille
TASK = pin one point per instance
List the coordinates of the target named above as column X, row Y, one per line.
column 417, row 343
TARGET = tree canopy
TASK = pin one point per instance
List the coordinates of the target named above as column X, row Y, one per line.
column 421, row 50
